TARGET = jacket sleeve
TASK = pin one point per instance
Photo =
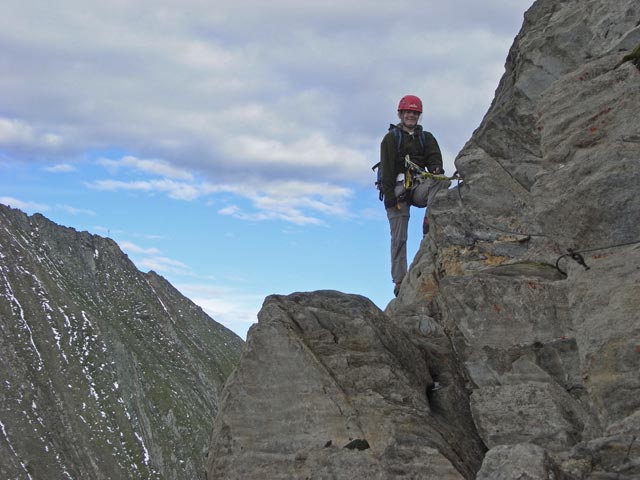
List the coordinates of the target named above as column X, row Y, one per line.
column 388, row 155
column 434, row 156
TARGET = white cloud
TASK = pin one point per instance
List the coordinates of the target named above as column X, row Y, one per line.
column 163, row 265
column 289, row 200
column 15, row 132
column 61, row 167
column 75, row 211
column 285, row 213
column 295, row 91
column 152, row 259
column 310, row 84
column 313, row 152
column 175, row 190
column 134, row 248
column 234, row 309
column 156, row 167
column 275, row 200
column 24, row 205
column 206, row 56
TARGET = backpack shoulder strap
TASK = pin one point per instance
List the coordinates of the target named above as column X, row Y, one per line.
column 397, row 134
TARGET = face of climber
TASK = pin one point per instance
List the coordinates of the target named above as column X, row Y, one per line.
column 409, row 118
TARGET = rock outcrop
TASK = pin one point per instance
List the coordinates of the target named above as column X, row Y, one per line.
column 329, row 388
column 106, row 372
column 513, row 348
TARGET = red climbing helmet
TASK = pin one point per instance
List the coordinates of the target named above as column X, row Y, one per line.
column 410, row 102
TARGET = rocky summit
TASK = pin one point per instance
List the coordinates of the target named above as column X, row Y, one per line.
column 106, row 372
column 513, row 348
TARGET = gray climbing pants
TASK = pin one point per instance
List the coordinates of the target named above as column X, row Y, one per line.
column 422, row 196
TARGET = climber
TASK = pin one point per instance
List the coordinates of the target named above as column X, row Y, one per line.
column 398, row 192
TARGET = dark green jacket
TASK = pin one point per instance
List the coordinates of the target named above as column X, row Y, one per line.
column 392, row 160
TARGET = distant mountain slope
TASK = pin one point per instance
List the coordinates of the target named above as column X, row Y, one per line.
column 106, row 372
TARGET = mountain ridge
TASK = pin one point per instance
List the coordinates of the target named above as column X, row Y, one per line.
column 107, row 372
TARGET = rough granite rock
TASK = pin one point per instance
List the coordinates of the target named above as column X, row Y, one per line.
column 320, row 371
column 520, row 461
column 550, row 343
column 523, row 300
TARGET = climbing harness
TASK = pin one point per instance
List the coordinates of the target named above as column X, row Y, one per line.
column 397, row 133
column 416, row 172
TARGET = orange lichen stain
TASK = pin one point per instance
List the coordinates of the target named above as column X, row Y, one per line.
column 493, row 260
column 457, row 260
column 452, row 260
column 430, row 288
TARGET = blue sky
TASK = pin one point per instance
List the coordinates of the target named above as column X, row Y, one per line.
column 228, row 147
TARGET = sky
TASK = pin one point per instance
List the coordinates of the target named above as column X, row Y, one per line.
column 228, row 146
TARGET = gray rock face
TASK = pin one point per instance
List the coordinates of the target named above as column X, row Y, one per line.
column 551, row 354
column 537, row 348
column 106, row 372
column 323, row 373
column 520, row 461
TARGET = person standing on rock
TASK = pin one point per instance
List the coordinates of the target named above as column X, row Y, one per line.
column 407, row 138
